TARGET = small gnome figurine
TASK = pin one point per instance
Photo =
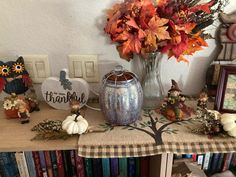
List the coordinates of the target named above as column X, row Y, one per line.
column 23, row 112
column 173, row 107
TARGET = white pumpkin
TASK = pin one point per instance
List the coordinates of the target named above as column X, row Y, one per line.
column 75, row 124
column 229, row 123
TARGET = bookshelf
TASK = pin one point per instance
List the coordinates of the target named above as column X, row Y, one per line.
column 15, row 137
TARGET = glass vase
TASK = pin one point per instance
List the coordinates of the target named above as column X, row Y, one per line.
column 151, row 82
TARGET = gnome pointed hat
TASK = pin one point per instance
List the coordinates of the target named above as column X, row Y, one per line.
column 174, row 86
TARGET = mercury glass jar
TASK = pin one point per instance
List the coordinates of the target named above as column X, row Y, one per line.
column 121, row 97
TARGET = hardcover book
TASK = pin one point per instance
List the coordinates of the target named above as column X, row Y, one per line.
column 106, row 168
column 38, row 168
column 48, row 163
column 131, row 167
column 144, row 170
column 88, row 167
column 21, row 163
column 43, row 163
column 97, row 167
column 123, row 167
column 60, row 164
column 80, row 167
column 114, row 167
column 30, row 163
column 54, row 163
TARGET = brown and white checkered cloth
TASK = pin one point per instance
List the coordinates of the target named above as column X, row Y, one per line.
column 119, row 142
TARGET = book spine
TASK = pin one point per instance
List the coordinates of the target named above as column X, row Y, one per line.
column 131, row 167
column 144, row 162
column 194, row 157
column 43, row 163
column 30, row 164
column 4, row 161
column 123, row 168
column 137, row 167
column 215, row 159
column 97, row 167
column 88, row 167
column 67, row 163
column 220, row 163
column 38, row 168
column 13, row 163
column 227, row 160
column 106, row 168
column 54, row 163
column 114, row 167
column 21, row 162
column 200, row 159
column 206, row 161
column 80, row 168
column 48, row 163
column 60, row 164
column 73, row 166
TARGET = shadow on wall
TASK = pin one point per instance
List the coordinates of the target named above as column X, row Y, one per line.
column 197, row 70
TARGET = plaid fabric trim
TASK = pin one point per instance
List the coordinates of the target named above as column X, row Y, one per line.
column 152, row 149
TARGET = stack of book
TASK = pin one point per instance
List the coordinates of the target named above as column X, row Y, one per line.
column 211, row 162
column 66, row 163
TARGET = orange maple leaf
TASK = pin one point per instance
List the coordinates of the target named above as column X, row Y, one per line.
column 195, row 44
column 131, row 44
column 157, row 28
column 187, row 27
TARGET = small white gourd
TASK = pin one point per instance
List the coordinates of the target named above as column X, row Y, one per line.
column 75, row 124
column 229, row 123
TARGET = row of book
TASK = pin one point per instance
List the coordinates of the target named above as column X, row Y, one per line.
column 213, row 162
column 66, row 163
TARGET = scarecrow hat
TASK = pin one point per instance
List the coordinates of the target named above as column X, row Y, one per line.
column 174, row 86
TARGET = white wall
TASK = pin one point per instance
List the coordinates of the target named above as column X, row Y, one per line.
column 62, row 27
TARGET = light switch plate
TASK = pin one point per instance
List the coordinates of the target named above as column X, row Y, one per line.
column 84, row 66
column 37, row 66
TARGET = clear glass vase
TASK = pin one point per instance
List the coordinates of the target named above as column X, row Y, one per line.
column 151, row 82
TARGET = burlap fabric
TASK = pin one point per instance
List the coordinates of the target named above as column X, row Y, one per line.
column 169, row 138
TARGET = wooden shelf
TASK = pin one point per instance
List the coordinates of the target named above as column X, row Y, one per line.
column 17, row 137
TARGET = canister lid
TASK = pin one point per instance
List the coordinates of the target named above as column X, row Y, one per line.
column 119, row 74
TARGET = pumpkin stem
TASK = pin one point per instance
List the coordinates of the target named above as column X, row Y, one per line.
column 76, row 118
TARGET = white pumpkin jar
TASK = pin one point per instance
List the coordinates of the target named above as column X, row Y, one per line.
column 75, row 124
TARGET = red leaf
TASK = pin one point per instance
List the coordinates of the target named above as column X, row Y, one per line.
column 203, row 7
column 147, row 12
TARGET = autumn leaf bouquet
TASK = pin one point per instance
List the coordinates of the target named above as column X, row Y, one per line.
column 173, row 27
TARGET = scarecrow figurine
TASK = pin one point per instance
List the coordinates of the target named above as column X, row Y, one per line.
column 174, row 107
column 23, row 112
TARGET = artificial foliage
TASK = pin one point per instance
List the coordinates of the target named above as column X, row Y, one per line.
column 174, row 27
column 49, row 130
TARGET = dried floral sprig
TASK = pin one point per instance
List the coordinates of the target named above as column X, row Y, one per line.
column 174, row 27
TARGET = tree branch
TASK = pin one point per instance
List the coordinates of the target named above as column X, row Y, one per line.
column 143, row 130
column 173, row 122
